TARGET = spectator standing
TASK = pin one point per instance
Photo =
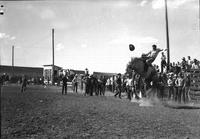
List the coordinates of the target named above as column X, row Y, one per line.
column 173, row 67
column 183, row 64
column 104, row 85
column 91, row 85
column 24, row 84
column 170, row 84
column 118, row 86
column 179, row 82
column 163, row 62
column 189, row 63
column 82, row 83
column 175, row 87
column 195, row 64
column 161, row 82
column 75, row 83
column 64, row 84
column 86, row 81
column 186, row 88
column 109, row 85
column 86, row 72
column 177, row 68
column 129, row 85
column 99, row 86
column 170, row 67
column 95, row 84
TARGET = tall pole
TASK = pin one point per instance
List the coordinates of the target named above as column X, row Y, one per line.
column 13, row 60
column 52, row 79
column 167, row 36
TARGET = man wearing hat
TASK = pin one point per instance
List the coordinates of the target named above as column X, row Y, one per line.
column 75, row 83
column 118, row 85
column 170, row 83
column 151, row 56
column 64, row 85
column 163, row 62
column 183, row 64
column 179, row 82
column 195, row 64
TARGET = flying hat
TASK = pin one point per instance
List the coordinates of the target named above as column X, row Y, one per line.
column 131, row 47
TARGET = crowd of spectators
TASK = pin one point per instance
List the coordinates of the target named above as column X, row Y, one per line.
column 88, row 84
column 178, row 78
column 174, row 78
column 173, row 84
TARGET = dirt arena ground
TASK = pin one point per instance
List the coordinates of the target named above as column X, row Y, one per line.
column 45, row 113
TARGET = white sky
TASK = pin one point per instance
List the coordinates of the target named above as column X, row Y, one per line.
column 96, row 33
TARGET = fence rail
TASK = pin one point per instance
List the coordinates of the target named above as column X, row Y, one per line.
column 195, row 79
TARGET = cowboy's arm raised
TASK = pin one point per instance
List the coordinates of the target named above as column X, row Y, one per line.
column 147, row 53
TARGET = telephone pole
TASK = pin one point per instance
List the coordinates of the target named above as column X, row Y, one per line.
column 52, row 79
column 13, row 60
column 167, row 36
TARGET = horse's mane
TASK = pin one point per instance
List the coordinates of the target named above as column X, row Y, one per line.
column 135, row 59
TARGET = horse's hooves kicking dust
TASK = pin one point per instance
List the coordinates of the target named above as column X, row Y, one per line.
column 150, row 100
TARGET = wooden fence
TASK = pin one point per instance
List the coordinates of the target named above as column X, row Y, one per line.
column 195, row 84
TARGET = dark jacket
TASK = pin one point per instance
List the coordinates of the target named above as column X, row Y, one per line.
column 64, row 80
column 119, row 82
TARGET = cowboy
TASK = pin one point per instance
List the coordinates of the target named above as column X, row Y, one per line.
column 163, row 62
column 170, row 83
column 180, row 85
column 189, row 63
column 118, row 86
column 183, row 64
column 24, row 83
column 64, row 84
column 151, row 56
column 75, row 83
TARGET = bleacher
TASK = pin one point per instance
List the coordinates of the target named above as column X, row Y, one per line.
column 195, row 84
column 195, row 79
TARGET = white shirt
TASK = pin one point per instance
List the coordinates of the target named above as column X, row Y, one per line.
column 170, row 82
column 189, row 62
column 179, row 81
column 129, row 82
column 194, row 66
column 154, row 53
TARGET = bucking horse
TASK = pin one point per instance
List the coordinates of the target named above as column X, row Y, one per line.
column 150, row 75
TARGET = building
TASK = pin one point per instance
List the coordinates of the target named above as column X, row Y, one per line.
column 106, row 74
column 47, row 73
column 30, row 72
column 79, row 72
